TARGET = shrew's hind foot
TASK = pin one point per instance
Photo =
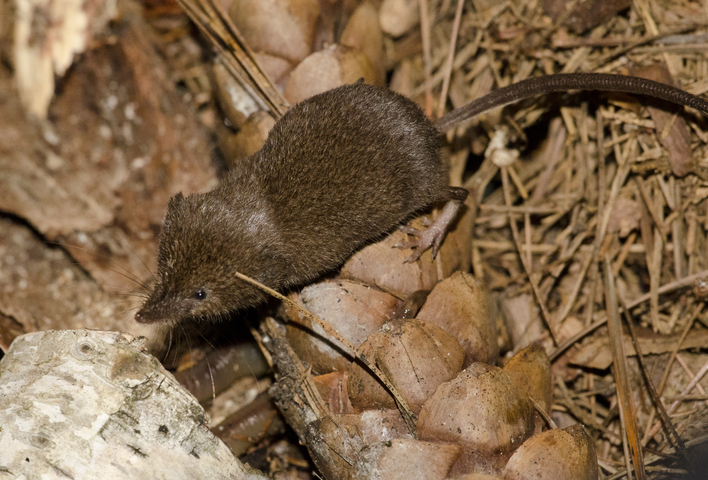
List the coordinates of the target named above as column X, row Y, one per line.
column 435, row 232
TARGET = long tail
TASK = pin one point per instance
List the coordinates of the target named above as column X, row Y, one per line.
column 561, row 82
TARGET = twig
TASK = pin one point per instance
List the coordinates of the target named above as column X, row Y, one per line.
column 427, row 62
column 626, row 404
column 658, row 405
column 450, row 57
column 406, row 412
column 235, row 53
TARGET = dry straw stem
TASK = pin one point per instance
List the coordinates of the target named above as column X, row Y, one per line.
column 425, row 34
column 625, row 401
column 671, row 432
column 450, row 58
column 697, row 310
column 235, row 53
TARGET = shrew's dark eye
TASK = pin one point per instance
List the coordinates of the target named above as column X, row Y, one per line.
column 200, row 294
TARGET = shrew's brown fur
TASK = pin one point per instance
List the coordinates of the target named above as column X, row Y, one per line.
column 336, row 172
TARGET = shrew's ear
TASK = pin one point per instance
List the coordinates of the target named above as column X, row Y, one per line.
column 175, row 201
column 175, row 206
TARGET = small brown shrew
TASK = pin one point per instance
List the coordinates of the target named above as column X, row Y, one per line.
column 338, row 171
